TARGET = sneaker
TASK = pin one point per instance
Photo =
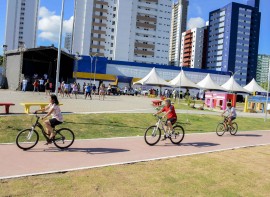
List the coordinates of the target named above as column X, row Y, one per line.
column 49, row 141
column 164, row 138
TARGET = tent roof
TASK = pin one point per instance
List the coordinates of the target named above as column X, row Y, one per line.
column 254, row 87
column 181, row 80
column 232, row 85
column 209, row 84
column 152, row 79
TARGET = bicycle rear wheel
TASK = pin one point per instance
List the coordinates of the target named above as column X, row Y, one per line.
column 152, row 135
column 177, row 135
column 234, row 131
column 27, row 139
column 64, row 138
column 220, row 130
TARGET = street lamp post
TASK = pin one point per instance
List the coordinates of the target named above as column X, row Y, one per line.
column 181, row 66
column 4, row 60
column 76, row 65
column 92, row 58
column 267, row 94
column 59, row 49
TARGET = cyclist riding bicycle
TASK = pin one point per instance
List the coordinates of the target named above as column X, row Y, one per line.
column 57, row 118
column 232, row 114
column 170, row 113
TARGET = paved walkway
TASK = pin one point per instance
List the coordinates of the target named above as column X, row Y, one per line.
column 111, row 104
column 85, row 154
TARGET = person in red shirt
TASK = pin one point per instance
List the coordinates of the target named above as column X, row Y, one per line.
column 169, row 111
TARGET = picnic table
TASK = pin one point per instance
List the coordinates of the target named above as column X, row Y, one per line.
column 7, row 105
column 28, row 105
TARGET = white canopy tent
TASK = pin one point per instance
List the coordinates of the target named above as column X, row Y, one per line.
column 181, row 80
column 233, row 86
column 254, row 87
column 208, row 84
column 152, row 78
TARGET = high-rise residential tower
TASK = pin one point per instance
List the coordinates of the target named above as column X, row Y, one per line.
column 178, row 26
column 68, row 41
column 129, row 30
column 234, row 39
column 194, row 48
column 21, row 23
column 263, row 69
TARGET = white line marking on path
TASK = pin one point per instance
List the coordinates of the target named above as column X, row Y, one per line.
column 130, row 162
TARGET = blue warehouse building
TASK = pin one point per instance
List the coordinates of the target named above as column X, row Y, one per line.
column 233, row 40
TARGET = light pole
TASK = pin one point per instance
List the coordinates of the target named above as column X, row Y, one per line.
column 59, row 49
column 76, row 65
column 181, row 66
column 92, row 58
column 4, row 60
column 267, row 96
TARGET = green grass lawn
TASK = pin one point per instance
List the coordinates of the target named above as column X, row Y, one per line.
column 241, row 172
column 121, row 125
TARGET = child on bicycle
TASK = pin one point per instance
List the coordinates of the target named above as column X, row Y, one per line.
column 232, row 114
column 57, row 118
column 169, row 113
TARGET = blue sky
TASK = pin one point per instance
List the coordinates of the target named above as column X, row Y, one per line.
column 197, row 8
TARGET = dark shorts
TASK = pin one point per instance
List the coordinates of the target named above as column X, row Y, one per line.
column 54, row 122
column 232, row 118
column 172, row 120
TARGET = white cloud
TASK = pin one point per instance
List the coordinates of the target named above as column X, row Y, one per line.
column 49, row 25
column 196, row 22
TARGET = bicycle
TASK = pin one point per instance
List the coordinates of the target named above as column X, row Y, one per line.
column 28, row 138
column 222, row 127
column 153, row 133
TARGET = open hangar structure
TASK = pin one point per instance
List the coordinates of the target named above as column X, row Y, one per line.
column 122, row 73
column 24, row 63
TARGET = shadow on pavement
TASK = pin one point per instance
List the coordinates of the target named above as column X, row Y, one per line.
column 86, row 150
column 248, row 135
column 199, row 144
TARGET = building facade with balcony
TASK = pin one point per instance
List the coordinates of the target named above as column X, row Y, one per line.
column 263, row 69
column 194, row 48
column 130, row 30
column 178, row 26
column 233, row 40
column 21, row 23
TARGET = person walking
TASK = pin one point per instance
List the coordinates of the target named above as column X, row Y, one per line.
column 24, row 84
column 41, row 85
column 94, row 89
column 47, row 87
column 88, row 91
column 84, row 84
column 35, row 84
column 75, row 89
column 102, row 91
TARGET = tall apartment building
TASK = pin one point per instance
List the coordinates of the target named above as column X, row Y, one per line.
column 263, row 68
column 234, row 39
column 128, row 30
column 178, row 26
column 194, row 48
column 21, row 23
column 68, row 41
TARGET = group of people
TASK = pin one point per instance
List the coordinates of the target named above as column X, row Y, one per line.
column 88, row 89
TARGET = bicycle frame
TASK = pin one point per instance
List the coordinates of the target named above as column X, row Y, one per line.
column 37, row 124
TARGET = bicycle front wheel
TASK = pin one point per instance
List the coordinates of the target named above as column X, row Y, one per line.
column 177, row 135
column 235, row 126
column 220, row 130
column 64, row 138
column 152, row 135
column 27, row 139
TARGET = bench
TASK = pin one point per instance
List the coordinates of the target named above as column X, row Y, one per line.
column 28, row 105
column 7, row 105
column 156, row 102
